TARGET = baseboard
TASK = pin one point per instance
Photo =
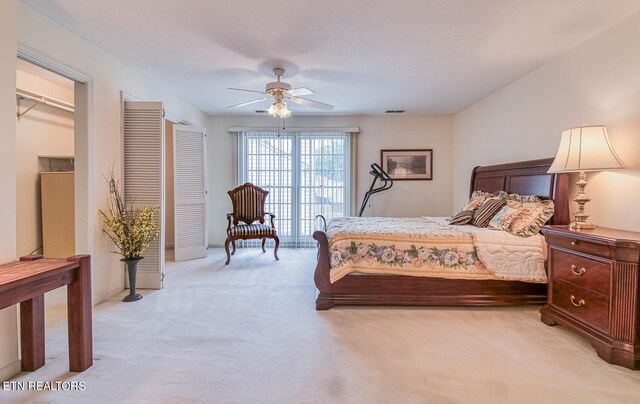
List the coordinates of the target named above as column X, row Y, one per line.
column 10, row 370
column 102, row 296
column 216, row 245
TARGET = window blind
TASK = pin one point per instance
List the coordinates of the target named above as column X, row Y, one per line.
column 306, row 173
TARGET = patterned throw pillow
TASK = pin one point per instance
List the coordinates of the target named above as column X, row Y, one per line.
column 503, row 219
column 466, row 212
column 462, row 217
column 478, row 197
column 494, row 194
column 482, row 216
column 474, row 202
column 523, row 198
column 531, row 216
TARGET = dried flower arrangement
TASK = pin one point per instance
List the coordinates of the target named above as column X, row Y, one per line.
column 131, row 230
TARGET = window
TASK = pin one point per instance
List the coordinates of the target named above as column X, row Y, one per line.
column 307, row 174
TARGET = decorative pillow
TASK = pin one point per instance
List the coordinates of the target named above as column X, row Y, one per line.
column 462, row 217
column 531, row 216
column 503, row 219
column 473, row 203
column 523, row 198
column 500, row 194
column 480, row 193
column 478, row 197
column 482, row 216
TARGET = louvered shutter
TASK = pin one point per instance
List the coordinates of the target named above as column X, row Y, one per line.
column 190, row 192
column 144, row 179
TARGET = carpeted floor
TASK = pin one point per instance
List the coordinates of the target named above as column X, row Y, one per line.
column 249, row 333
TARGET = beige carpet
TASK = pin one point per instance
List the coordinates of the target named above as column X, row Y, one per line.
column 249, row 333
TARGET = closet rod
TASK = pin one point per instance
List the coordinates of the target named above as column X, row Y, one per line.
column 42, row 99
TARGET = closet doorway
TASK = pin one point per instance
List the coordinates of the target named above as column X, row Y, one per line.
column 45, row 165
column 79, row 119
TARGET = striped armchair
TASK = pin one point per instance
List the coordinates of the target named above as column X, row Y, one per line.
column 248, row 207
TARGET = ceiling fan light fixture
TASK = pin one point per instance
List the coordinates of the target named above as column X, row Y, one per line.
column 279, row 91
column 279, row 110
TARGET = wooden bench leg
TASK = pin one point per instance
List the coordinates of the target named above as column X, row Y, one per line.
column 32, row 333
column 80, row 317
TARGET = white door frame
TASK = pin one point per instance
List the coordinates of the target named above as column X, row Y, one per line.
column 85, row 219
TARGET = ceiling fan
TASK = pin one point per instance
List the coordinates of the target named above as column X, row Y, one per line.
column 280, row 91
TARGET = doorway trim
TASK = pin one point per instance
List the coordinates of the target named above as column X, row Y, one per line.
column 85, row 220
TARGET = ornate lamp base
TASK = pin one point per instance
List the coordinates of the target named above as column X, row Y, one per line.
column 580, row 218
column 582, row 225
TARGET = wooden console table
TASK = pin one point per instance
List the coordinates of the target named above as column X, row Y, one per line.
column 26, row 281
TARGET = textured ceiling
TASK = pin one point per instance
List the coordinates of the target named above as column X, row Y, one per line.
column 363, row 56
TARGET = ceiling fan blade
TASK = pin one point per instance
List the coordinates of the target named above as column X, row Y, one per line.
column 250, row 91
column 311, row 103
column 295, row 92
column 249, row 102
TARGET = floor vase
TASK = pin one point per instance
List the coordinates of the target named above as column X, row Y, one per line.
column 132, row 268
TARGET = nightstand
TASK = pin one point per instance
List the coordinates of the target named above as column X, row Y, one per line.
column 593, row 289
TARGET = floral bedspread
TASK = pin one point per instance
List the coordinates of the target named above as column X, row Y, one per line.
column 429, row 246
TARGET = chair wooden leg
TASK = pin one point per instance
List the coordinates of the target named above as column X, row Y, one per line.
column 264, row 240
column 275, row 250
column 233, row 243
column 226, row 249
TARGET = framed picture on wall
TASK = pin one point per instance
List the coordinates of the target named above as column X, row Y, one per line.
column 407, row 164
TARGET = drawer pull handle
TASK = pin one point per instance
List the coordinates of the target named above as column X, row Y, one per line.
column 578, row 272
column 574, row 243
column 581, row 302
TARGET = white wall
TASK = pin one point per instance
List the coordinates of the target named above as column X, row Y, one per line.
column 44, row 130
column 9, row 364
column 598, row 82
column 406, row 198
column 108, row 77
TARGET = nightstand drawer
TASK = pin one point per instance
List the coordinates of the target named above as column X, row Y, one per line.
column 573, row 243
column 580, row 303
column 589, row 273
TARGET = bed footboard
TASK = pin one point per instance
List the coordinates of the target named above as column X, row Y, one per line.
column 321, row 275
column 417, row 291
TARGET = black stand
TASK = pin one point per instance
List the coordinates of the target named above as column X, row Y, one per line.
column 386, row 182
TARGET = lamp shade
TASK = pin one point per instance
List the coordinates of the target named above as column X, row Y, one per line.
column 585, row 148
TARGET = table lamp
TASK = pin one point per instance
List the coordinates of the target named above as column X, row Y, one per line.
column 582, row 149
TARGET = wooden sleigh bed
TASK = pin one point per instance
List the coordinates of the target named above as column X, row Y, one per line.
column 525, row 178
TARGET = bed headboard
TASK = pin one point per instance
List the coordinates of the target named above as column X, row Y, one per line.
column 526, row 178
